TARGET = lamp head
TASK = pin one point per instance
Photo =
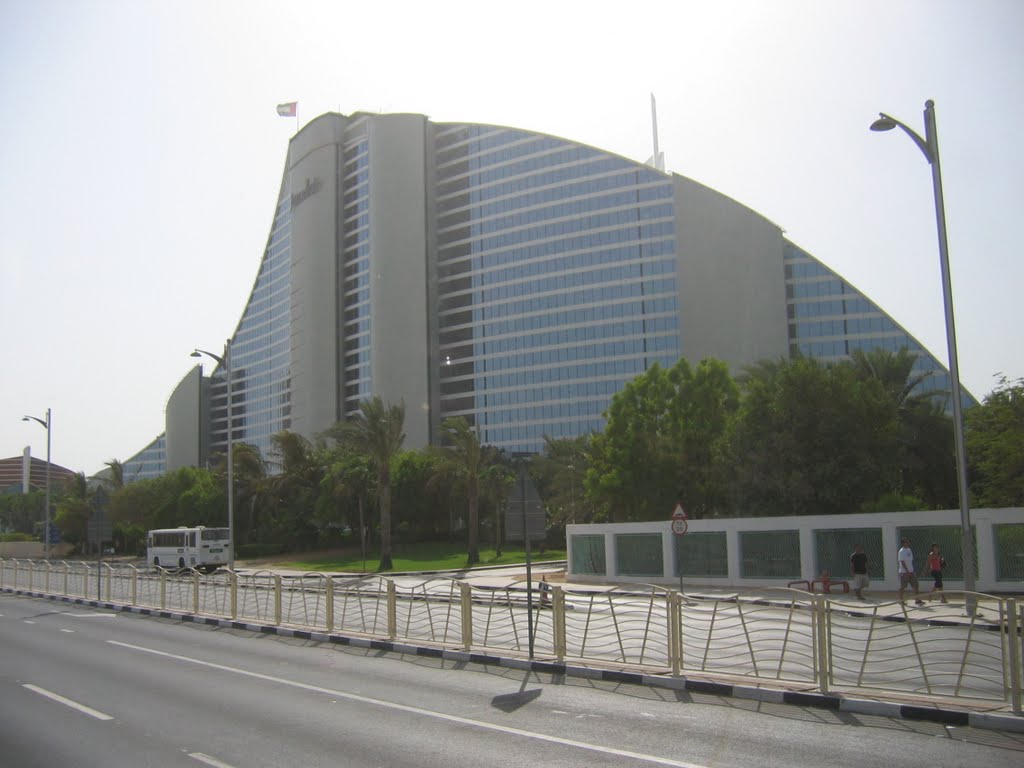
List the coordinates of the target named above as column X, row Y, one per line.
column 883, row 123
column 195, row 353
column 26, row 418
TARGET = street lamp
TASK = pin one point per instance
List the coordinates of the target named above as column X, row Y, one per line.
column 46, row 425
column 225, row 363
column 929, row 147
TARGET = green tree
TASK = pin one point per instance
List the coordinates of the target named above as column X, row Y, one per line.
column 347, row 487
column 561, row 471
column 74, row 510
column 660, row 443
column 295, row 491
column 378, row 431
column 995, row 446
column 463, row 458
column 420, row 507
column 925, row 437
column 812, row 439
column 251, row 487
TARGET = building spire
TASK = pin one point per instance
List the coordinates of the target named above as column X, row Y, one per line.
column 657, row 160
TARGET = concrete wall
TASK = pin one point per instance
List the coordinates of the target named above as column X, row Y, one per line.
column 982, row 520
column 732, row 291
column 398, row 263
column 183, row 419
column 32, row 550
column 312, row 171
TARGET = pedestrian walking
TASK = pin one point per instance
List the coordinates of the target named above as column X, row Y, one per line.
column 936, row 562
column 859, row 569
column 906, row 571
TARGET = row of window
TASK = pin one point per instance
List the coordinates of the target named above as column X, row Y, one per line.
column 611, row 350
column 553, row 171
column 807, row 269
column 553, row 256
column 623, row 368
column 819, row 288
column 573, row 391
column 624, row 222
column 567, row 410
column 535, row 144
column 664, row 289
column 856, row 325
column 542, row 196
column 563, row 319
column 508, row 218
column 448, row 136
column 530, row 437
column 831, row 308
column 580, row 335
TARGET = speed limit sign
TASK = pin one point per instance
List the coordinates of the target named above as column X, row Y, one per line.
column 679, row 523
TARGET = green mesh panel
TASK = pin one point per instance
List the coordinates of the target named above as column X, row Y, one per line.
column 834, row 546
column 1009, row 552
column 639, row 554
column 770, row 554
column 948, row 538
column 588, row 555
column 702, row 554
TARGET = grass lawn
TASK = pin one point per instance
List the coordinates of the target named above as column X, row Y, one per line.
column 430, row 556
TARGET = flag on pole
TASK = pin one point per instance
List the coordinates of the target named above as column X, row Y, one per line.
column 288, row 110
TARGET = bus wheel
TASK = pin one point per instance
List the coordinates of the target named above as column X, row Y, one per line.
column 156, row 562
column 181, row 562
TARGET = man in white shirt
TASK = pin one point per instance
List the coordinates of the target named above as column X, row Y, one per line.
column 906, row 571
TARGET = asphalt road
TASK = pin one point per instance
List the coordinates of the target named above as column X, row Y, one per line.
column 84, row 687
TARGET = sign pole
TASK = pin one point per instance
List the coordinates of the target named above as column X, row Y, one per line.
column 679, row 528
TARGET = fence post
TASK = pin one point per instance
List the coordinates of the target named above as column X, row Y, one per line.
column 31, row 571
column 558, row 621
column 466, row 599
column 46, row 581
column 1015, row 648
column 330, row 604
column 277, row 599
column 821, row 638
column 195, row 591
column 163, row 589
column 233, row 581
column 675, row 631
column 392, row 610
column 66, row 569
column 110, row 578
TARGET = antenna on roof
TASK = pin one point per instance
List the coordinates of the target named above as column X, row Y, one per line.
column 657, row 160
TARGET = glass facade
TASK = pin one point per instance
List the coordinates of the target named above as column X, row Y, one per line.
column 556, row 281
column 147, row 464
column 260, row 351
column 829, row 319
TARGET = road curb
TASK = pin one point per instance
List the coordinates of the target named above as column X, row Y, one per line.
column 936, row 714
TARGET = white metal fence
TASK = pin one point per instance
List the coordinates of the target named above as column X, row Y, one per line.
column 789, row 637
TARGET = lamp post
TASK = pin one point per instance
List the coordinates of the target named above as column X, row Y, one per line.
column 929, row 146
column 46, row 425
column 225, row 362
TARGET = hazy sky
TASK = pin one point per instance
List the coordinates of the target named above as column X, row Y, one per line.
column 141, row 155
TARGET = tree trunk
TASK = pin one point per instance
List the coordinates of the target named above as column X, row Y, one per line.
column 474, row 530
column 385, row 528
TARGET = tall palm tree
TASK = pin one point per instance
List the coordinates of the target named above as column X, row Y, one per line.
column 464, row 459
column 251, row 482
column 378, row 431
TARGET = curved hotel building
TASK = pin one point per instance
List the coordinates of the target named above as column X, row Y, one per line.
column 513, row 278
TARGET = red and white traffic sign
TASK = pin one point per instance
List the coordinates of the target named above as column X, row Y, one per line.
column 679, row 524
